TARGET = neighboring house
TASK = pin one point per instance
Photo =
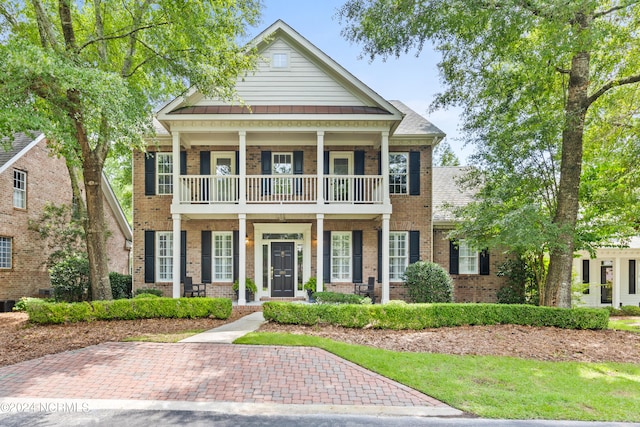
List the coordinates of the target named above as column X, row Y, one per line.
column 30, row 177
column 473, row 271
column 317, row 176
column 612, row 277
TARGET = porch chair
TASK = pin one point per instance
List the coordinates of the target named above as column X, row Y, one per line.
column 193, row 290
column 366, row 289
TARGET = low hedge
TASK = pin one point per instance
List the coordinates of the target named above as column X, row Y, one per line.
column 338, row 298
column 421, row 316
column 128, row 309
column 625, row 310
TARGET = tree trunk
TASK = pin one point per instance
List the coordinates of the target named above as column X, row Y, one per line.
column 96, row 231
column 558, row 285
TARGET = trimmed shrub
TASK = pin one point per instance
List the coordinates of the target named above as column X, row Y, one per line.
column 129, row 309
column 21, row 304
column 428, row 282
column 338, row 298
column 146, row 295
column 625, row 310
column 70, row 279
column 421, row 316
column 120, row 285
column 152, row 291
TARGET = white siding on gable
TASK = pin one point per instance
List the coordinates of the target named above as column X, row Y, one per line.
column 301, row 83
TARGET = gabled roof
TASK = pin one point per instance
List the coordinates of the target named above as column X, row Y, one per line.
column 447, row 193
column 21, row 145
column 375, row 105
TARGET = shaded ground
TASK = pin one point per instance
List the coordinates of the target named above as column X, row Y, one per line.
column 21, row 341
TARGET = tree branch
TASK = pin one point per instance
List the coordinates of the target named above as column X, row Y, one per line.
column 9, row 17
column 613, row 9
column 45, row 28
column 610, row 85
column 120, row 36
column 102, row 47
column 64, row 11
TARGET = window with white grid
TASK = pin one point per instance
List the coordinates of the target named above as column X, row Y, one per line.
column 165, row 173
column 19, row 189
column 398, row 173
column 398, row 254
column 467, row 259
column 5, row 252
column 164, row 249
column 340, row 256
column 223, row 257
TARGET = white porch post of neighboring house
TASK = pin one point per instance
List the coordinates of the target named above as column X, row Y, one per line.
column 242, row 167
column 176, row 255
column 242, row 259
column 385, row 258
column 319, row 252
column 320, row 169
column 175, row 155
column 616, row 289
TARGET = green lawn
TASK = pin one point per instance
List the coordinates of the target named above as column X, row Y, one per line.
column 625, row 324
column 497, row 387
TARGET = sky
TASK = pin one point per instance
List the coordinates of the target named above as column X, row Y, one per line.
column 410, row 79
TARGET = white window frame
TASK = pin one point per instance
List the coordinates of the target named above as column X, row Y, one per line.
column 341, row 256
column 167, row 186
column 280, row 60
column 6, row 248
column 19, row 189
column 283, row 185
column 224, row 259
column 471, row 264
column 398, row 256
column 164, row 256
column 403, row 187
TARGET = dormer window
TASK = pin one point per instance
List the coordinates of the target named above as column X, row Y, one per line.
column 280, row 60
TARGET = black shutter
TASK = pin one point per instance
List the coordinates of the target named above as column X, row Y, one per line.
column 183, row 163
column 632, row 276
column 236, row 254
column 206, row 256
column 205, row 163
column 298, row 169
column 379, row 256
column 326, row 256
column 265, row 162
column 149, row 174
column 454, row 255
column 326, row 163
column 237, row 170
column 183, row 255
column 484, row 262
column 585, row 271
column 414, row 246
column 358, row 169
column 379, row 163
column 356, row 250
column 414, row 173
column 149, row 256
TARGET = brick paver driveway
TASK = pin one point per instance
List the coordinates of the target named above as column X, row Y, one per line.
column 203, row 373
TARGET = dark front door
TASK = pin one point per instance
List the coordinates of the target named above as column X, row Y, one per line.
column 282, row 265
column 606, row 284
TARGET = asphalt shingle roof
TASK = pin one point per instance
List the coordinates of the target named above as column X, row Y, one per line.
column 447, row 192
column 414, row 124
column 20, row 141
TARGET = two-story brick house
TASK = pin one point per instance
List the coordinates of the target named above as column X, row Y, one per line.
column 31, row 177
column 315, row 176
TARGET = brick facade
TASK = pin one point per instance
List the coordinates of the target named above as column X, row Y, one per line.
column 47, row 181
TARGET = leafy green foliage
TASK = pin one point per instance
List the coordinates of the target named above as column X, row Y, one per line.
column 120, row 285
column 61, row 230
column 70, row 279
column 21, row 304
column 421, row 316
column 249, row 285
column 443, row 155
column 522, row 287
column 338, row 298
column 625, row 310
column 428, row 282
column 129, row 309
column 152, row 291
column 310, row 285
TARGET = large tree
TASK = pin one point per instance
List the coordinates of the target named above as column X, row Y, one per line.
column 87, row 73
column 510, row 59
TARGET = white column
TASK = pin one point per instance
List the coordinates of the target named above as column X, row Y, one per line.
column 385, row 258
column 242, row 259
column 384, row 167
column 242, row 167
column 320, row 169
column 176, row 255
column 319, row 251
column 175, row 154
column 616, row 289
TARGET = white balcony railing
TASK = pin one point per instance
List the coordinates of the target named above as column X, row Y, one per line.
column 201, row 189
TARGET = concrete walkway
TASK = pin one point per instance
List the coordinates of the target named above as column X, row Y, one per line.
column 205, row 373
column 228, row 333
